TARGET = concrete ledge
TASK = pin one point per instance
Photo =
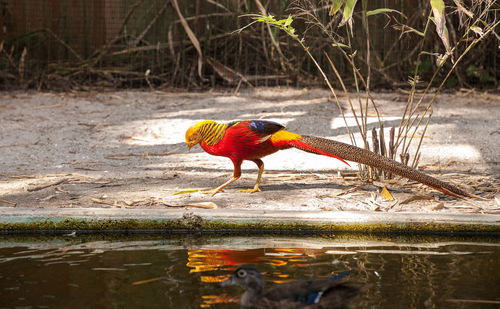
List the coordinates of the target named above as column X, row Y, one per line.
column 238, row 220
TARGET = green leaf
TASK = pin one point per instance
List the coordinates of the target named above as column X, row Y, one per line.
column 380, row 11
column 348, row 10
column 185, row 191
column 441, row 60
column 336, row 5
column 269, row 18
column 477, row 30
column 438, row 5
column 340, row 45
column 288, row 21
column 407, row 28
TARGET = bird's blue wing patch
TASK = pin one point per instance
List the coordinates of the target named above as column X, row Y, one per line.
column 265, row 127
column 341, row 275
column 313, row 298
column 309, row 299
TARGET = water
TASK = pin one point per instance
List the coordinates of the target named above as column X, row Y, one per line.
column 163, row 271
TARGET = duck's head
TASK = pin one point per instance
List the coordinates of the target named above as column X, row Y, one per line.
column 245, row 276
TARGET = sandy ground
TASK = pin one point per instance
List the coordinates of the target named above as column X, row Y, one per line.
column 126, row 150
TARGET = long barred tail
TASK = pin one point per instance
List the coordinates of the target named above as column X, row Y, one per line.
column 348, row 152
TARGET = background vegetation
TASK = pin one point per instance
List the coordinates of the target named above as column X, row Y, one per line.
column 193, row 44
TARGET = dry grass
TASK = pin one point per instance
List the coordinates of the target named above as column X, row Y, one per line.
column 192, row 44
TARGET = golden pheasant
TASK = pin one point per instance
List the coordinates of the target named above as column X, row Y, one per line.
column 254, row 139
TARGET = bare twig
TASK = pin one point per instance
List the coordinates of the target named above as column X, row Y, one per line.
column 41, row 187
column 8, row 202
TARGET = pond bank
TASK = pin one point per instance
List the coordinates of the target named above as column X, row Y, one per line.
column 239, row 221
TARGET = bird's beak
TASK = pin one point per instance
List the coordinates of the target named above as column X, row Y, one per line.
column 191, row 145
column 227, row 282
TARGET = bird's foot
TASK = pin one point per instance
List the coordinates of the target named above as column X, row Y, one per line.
column 212, row 192
column 251, row 190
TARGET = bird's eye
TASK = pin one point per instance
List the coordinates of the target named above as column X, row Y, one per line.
column 241, row 273
column 193, row 137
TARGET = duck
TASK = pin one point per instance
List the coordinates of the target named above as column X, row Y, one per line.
column 309, row 293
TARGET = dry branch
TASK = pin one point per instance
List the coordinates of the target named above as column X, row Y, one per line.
column 191, row 36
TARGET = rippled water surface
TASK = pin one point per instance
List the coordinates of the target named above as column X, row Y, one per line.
column 182, row 271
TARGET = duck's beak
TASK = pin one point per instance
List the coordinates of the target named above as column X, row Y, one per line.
column 227, row 282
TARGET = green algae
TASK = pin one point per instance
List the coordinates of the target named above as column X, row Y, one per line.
column 197, row 223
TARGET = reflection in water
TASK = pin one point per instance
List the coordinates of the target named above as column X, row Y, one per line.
column 206, row 260
column 156, row 271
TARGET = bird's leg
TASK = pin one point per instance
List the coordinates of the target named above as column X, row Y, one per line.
column 236, row 175
column 260, row 165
